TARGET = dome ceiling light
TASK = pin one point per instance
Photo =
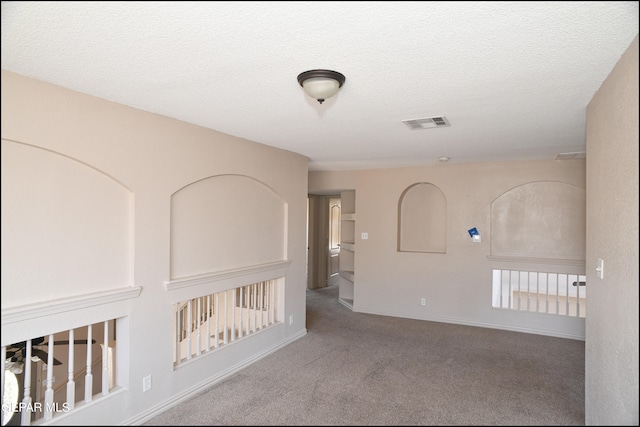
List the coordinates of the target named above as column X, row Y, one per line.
column 321, row 84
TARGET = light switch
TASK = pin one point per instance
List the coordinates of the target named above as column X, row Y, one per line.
column 365, row 236
column 600, row 268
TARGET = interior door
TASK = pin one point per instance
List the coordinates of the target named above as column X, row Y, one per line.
column 333, row 246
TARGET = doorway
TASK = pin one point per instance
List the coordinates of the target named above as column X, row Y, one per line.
column 323, row 240
column 333, row 254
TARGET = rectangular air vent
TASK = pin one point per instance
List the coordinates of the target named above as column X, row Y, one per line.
column 427, row 123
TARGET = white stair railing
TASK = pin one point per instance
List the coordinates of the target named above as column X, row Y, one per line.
column 541, row 292
column 229, row 315
column 51, row 402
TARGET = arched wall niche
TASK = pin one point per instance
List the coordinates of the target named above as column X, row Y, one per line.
column 543, row 219
column 66, row 227
column 422, row 219
column 224, row 222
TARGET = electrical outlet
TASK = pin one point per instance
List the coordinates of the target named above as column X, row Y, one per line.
column 146, row 383
column 291, row 319
column 423, row 301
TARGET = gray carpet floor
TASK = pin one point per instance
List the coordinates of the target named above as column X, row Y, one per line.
column 361, row 369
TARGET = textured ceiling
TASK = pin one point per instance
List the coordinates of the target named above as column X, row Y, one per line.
column 513, row 79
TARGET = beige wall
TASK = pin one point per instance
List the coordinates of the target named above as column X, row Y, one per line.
column 612, row 235
column 455, row 284
column 100, row 197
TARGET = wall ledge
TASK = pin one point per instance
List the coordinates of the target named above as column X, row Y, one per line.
column 185, row 282
column 533, row 260
column 67, row 304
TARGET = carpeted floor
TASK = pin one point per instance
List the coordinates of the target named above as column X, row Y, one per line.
column 360, row 369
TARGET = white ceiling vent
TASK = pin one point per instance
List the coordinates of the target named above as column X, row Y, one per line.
column 574, row 155
column 427, row 123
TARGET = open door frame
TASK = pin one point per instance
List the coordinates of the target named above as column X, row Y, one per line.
column 318, row 240
column 333, row 241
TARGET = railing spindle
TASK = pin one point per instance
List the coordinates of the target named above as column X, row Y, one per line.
column 247, row 291
column 578, row 298
column 225, row 336
column 241, row 303
column 27, row 400
column 48, row 394
column 216, row 310
column 546, row 305
column 255, row 306
column 233, row 315
column 270, row 301
column 71, row 383
column 189, row 320
column 261, row 287
column 88, row 378
column 105, row 359
column 178, row 334
column 510, row 291
column 567, row 304
column 199, row 345
column 208, row 347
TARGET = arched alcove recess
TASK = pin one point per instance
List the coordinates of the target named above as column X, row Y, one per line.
column 224, row 222
column 66, row 227
column 544, row 219
column 422, row 219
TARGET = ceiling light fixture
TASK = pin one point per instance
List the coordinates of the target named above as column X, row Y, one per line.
column 321, row 84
